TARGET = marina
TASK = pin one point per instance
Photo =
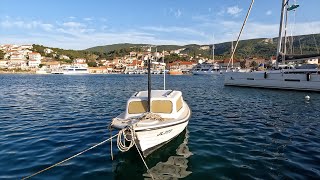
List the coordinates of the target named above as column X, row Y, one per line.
column 127, row 90
column 252, row 133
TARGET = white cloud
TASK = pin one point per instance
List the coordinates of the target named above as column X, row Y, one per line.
column 76, row 35
column 87, row 19
column 221, row 12
column 12, row 23
column 103, row 19
column 180, row 30
column 230, row 30
column 72, row 24
column 269, row 12
column 234, row 10
column 203, row 18
column 178, row 13
column 173, row 12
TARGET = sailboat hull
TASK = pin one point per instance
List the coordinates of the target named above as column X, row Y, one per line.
column 304, row 81
column 206, row 72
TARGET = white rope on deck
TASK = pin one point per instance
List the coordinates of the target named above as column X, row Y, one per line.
column 69, row 158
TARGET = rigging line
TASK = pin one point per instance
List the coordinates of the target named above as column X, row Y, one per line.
column 293, row 27
column 313, row 32
column 69, row 158
column 244, row 23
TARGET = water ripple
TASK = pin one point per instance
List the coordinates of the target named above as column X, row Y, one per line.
column 235, row 133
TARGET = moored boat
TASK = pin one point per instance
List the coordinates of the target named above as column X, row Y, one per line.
column 168, row 117
column 206, row 69
column 175, row 72
column 305, row 77
column 75, row 70
column 152, row 118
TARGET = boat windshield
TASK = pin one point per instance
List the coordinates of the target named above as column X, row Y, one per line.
column 136, row 107
column 161, row 106
column 179, row 104
column 157, row 106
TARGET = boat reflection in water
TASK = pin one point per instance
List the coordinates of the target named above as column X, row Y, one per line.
column 168, row 162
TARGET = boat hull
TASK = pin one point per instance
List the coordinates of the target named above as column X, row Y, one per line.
column 75, row 73
column 206, row 72
column 278, row 80
column 175, row 73
column 151, row 139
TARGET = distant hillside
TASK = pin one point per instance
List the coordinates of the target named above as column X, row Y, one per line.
column 262, row 47
column 113, row 47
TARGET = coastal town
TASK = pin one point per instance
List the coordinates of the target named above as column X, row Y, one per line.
column 24, row 59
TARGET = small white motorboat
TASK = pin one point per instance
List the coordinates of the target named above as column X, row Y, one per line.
column 152, row 118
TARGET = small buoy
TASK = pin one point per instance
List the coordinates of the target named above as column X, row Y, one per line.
column 307, row 97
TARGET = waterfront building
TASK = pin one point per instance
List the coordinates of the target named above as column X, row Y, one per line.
column 33, row 63
column 79, row 60
column 64, row 57
column 35, row 56
column 98, row 70
column 3, row 63
column 183, row 65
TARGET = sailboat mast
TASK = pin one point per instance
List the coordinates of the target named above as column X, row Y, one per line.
column 213, row 52
column 285, row 32
column 283, row 7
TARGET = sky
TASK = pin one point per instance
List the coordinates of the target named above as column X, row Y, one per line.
column 81, row 24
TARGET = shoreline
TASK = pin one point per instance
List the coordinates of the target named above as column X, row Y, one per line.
column 17, row 72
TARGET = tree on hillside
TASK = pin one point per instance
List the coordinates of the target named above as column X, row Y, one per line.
column 2, row 54
column 172, row 57
column 92, row 64
column 254, row 64
column 243, row 64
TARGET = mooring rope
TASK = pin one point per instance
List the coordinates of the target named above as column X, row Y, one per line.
column 144, row 162
column 123, row 147
column 69, row 158
column 122, row 137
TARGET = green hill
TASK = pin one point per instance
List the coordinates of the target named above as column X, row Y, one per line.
column 262, row 47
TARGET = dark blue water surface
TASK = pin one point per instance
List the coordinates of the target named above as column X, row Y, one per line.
column 234, row 133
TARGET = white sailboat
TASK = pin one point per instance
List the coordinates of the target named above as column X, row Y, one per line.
column 305, row 77
column 152, row 118
column 206, row 68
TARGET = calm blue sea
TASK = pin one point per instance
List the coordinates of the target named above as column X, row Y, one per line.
column 234, row 133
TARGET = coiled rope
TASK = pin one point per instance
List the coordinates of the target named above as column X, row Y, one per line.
column 122, row 138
